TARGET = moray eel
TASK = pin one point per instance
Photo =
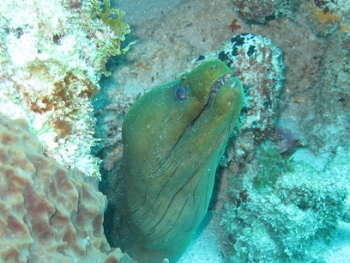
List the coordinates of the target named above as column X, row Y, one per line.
column 174, row 137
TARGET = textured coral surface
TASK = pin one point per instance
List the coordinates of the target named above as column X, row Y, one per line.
column 47, row 213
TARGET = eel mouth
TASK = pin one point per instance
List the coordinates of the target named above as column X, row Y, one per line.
column 214, row 89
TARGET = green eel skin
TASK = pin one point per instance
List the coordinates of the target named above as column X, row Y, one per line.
column 160, row 191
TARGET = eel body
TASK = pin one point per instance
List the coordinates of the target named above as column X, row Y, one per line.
column 174, row 137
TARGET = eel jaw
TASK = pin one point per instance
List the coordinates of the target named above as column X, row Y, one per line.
column 214, row 89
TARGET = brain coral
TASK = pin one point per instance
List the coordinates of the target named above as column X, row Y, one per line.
column 47, row 213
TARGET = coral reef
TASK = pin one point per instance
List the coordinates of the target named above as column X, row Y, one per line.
column 47, row 213
column 52, row 56
column 291, row 215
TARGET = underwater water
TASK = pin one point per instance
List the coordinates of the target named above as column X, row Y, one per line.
column 97, row 165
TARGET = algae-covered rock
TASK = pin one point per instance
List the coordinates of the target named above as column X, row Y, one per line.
column 291, row 218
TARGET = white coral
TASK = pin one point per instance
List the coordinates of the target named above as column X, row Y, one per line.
column 51, row 60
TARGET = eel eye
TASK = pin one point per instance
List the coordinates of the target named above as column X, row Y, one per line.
column 180, row 93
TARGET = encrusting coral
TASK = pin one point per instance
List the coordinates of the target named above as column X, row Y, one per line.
column 47, row 213
column 52, row 55
column 283, row 211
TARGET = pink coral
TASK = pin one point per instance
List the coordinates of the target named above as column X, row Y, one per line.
column 47, row 213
